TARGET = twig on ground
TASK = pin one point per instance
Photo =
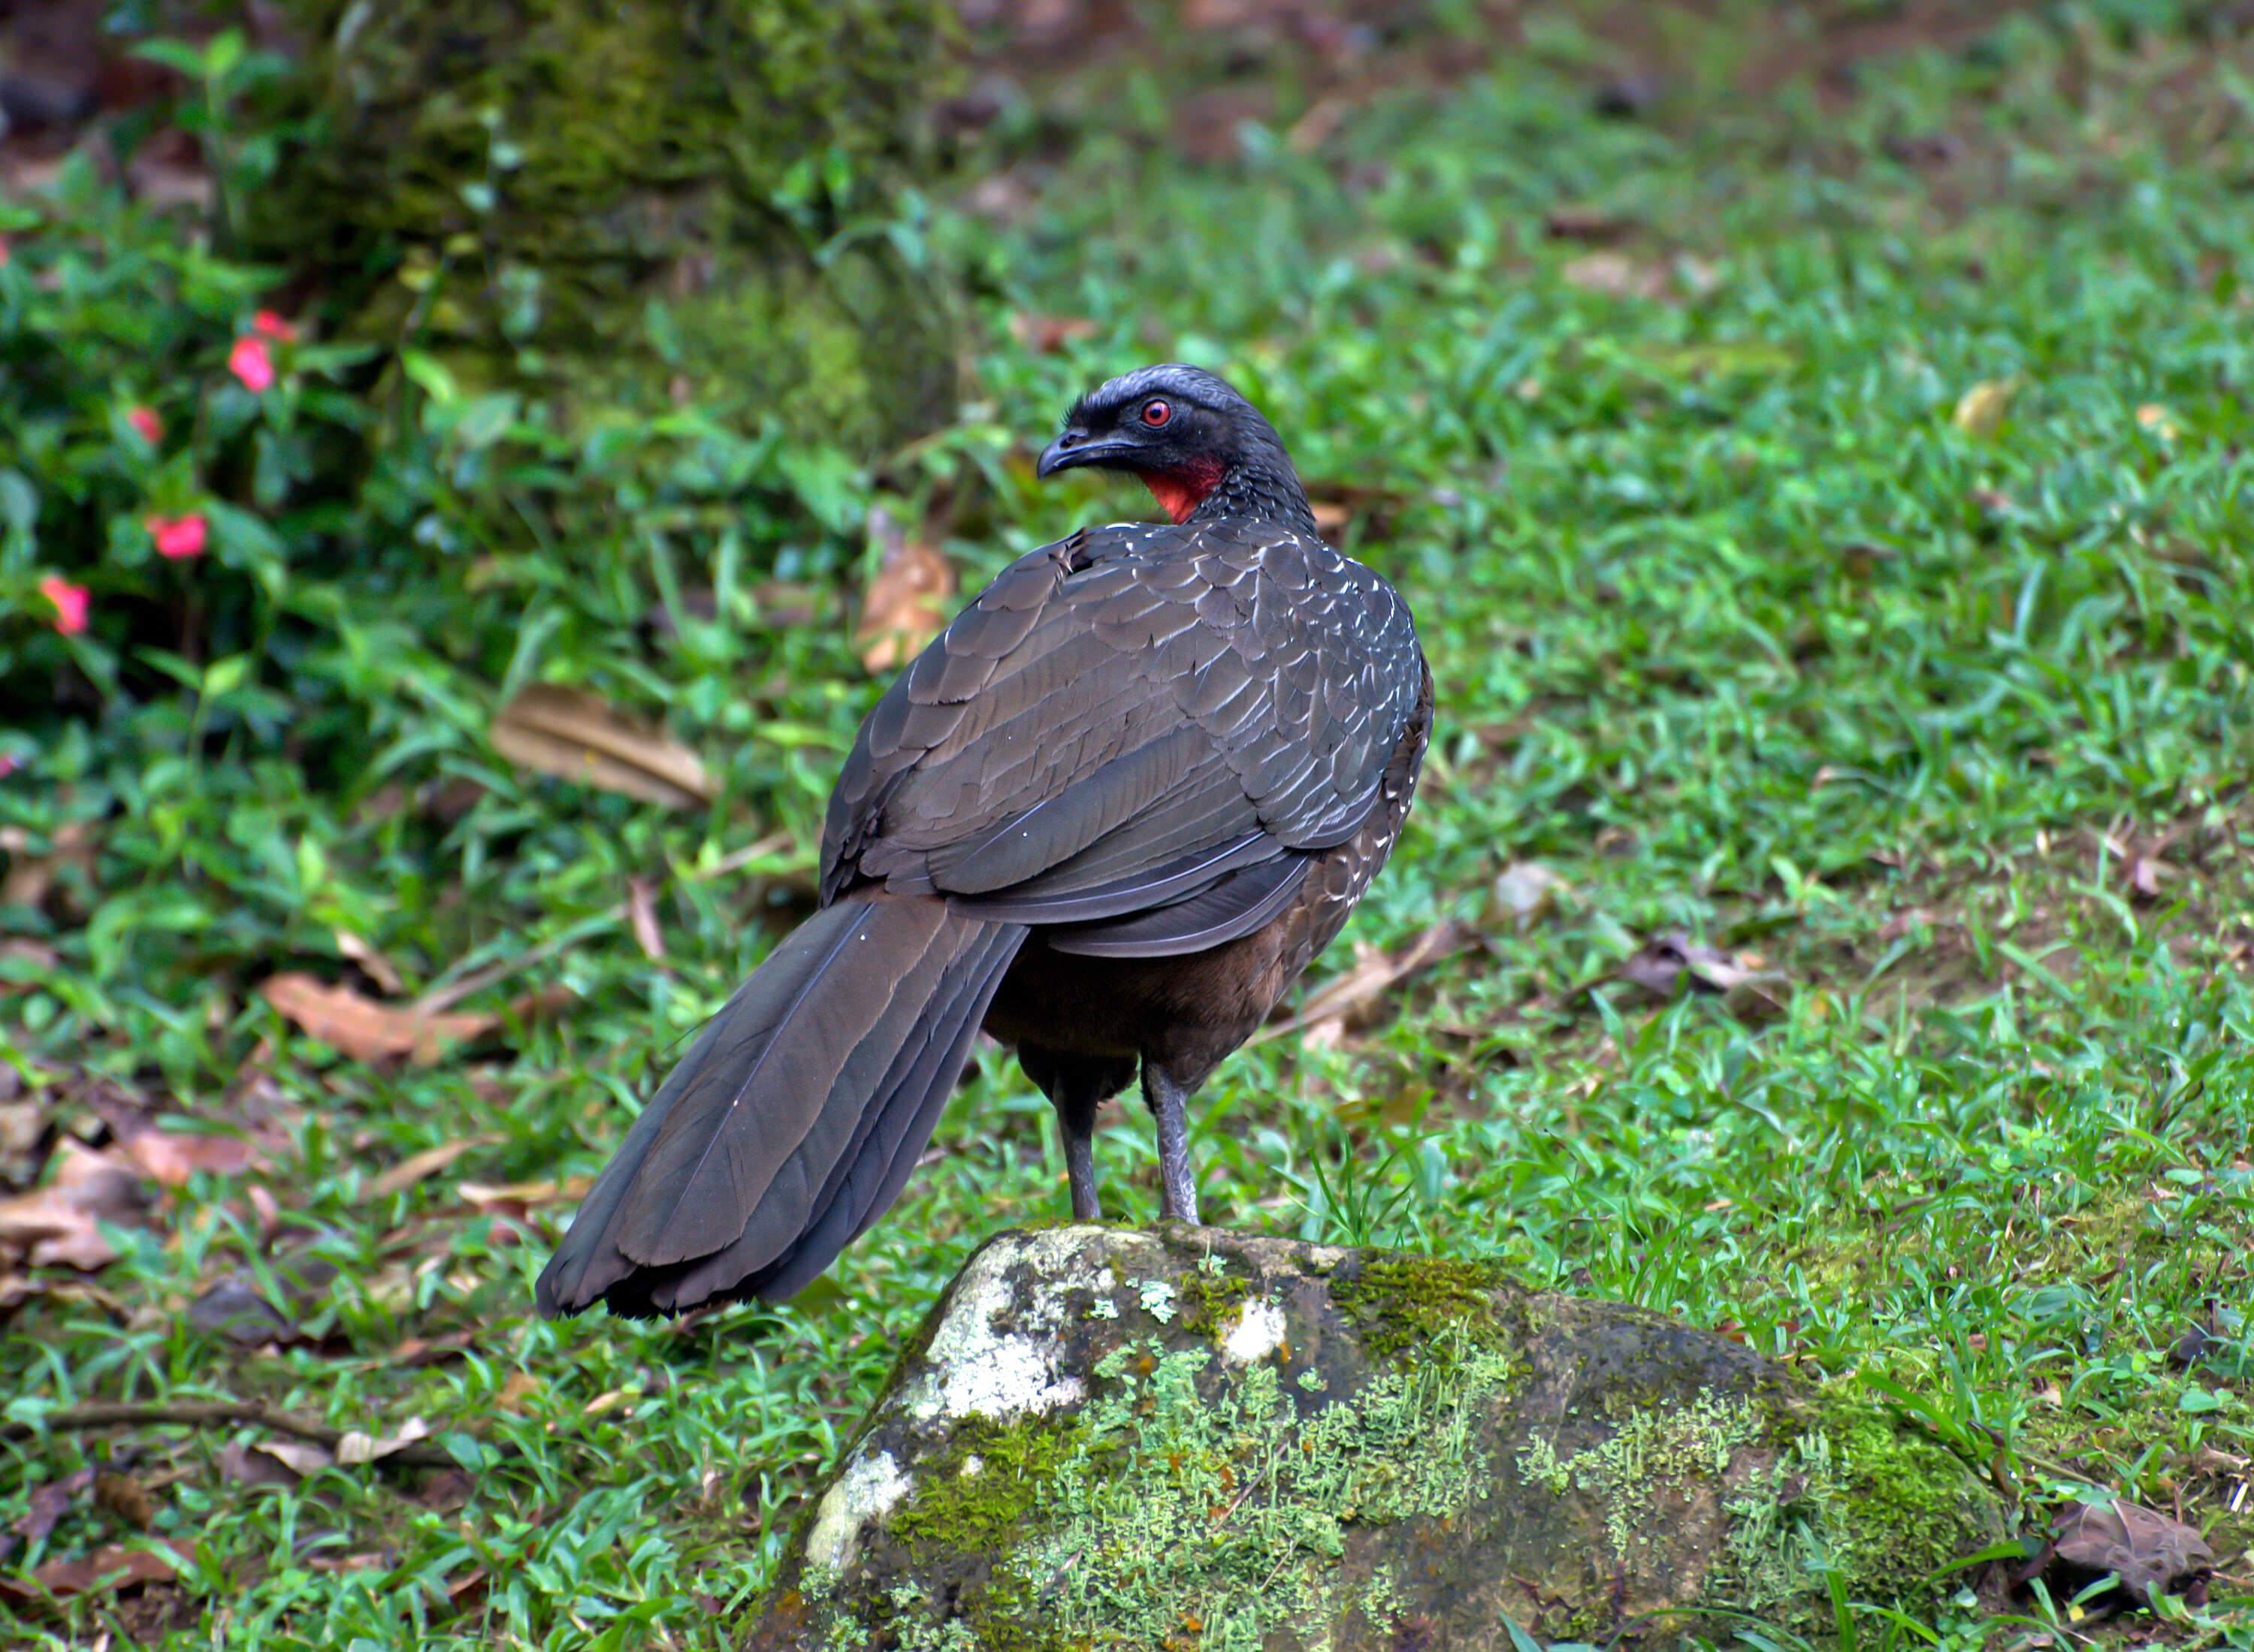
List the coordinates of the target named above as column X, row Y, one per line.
column 421, row 1453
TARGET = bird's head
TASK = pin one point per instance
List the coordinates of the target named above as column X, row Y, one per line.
column 1201, row 449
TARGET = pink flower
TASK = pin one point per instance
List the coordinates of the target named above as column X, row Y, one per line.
column 70, row 602
column 250, row 362
column 177, row 537
column 144, row 420
column 273, row 327
column 8, row 764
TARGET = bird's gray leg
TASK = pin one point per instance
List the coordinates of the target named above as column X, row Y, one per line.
column 1170, row 1106
column 1076, row 1111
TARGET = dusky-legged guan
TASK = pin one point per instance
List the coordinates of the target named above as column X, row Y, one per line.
column 1109, row 815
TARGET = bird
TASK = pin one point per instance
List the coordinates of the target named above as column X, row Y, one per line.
column 1109, row 815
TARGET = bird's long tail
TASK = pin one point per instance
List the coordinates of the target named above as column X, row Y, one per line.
column 795, row 1116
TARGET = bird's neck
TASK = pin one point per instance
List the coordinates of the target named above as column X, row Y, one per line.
column 1261, row 486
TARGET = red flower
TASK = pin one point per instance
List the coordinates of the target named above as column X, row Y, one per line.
column 70, row 602
column 267, row 322
column 250, row 362
column 177, row 537
column 144, row 420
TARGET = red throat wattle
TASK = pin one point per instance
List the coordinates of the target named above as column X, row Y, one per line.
column 1181, row 491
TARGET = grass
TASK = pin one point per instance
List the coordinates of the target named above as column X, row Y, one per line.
column 1746, row 623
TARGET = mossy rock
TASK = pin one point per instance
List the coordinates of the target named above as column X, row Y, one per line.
column 512, row 187
column 1192, row 1439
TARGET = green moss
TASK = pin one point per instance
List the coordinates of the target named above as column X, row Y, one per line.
column 1208, row 1299
column 1399, row 1302
column 1895, row 1508
column 515, row 192
column 978, row 1496
column 1189, row 1501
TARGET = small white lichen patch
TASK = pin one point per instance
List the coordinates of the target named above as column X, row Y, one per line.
column 1104, row 1308
column 1158, row 1296
column 866, row 1491
column 1258, row 1333
column 972, row 1465
column 973, row 1368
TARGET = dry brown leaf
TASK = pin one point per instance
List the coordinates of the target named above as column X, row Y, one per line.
column 581, row 737
column 419, row 1166
column 901, row 610
column 1348, row 998
column 110, row 1567
column 380, row 969
column 258, row 1465
column 60, row 1223
column 172, row 1158
column 1044, row 335
column 50, row 1502
column 368, row 1030
column 516, row 1388
column 641, row 918
column 2147, row 1552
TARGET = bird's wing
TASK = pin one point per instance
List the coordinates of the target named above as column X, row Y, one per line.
column 1123, row 722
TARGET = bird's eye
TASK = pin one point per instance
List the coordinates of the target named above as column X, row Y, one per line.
column 1155, row 413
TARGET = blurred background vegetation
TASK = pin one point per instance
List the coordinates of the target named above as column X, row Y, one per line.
column 463, row 476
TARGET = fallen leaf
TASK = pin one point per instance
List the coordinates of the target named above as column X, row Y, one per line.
column 380, row 969
column 110, row 1567
column 1350, row 997
column 1526, row 889
column 1674, row 963
column 50, row 1502
column 2147, row 1552
column 248, row 1465
column 1040, row 334
column 579, row 736
column 172, row 1157
column 356, row 1447
column 365, row 1030
column 516, row 1388
column 418, row 1166
column 303, row 1458
column 1980, row 410
column 901, row 610
column 60, row 1223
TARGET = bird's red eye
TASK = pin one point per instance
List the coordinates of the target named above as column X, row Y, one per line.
column 1155, row 413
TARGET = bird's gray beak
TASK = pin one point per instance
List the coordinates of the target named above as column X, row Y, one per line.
column 1074, row 448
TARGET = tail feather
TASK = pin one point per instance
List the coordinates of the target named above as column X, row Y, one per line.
column 748, row 1160
column 869, row 1175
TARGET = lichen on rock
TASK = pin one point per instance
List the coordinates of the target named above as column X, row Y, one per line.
column 1214, row 1441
